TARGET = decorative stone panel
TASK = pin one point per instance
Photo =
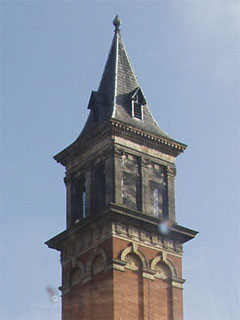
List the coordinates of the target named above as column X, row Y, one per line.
column 140, row 235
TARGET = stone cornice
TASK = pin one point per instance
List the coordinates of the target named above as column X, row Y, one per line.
column 163, row 144
column 81, row 143
column 120, row 222
column 113, row 127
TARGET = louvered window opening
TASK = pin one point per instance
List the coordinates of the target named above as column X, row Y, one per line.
column 137, row 110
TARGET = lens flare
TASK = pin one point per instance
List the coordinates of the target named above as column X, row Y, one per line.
column 165, row 227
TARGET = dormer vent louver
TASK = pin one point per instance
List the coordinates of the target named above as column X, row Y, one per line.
column 137, row 103
column 95, row 104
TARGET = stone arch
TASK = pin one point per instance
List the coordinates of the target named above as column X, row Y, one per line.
column 164, row 267
column 97, row 262
column 172, row 267
column 76, row 274
column 163, row 270
column 133, row 261
column 134, row 250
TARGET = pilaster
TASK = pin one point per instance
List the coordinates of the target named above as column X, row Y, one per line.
column 68, row 182
column 109, row 179
column 171, row 174
column 118, row 175
column 145, row 184
column 88, row 190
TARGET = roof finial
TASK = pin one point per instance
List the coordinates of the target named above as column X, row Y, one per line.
column 117, row 22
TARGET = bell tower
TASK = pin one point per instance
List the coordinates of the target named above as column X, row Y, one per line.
column 121, row 252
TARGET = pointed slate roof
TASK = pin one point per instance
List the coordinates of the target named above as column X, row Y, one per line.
column 117, row 88
column 111, row 106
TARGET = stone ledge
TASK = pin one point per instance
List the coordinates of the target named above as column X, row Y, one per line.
column 177, row 282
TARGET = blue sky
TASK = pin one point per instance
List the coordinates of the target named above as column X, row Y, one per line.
column 186, row 57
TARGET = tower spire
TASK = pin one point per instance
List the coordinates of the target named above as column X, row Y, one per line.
column 120, row 186
column 119, row 95
column 120, row 98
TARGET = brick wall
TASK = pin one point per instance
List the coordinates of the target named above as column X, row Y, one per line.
column 132, row 291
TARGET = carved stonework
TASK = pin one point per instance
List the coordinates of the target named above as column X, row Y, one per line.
column 154, row 239
column 76, row 276
column 133, row 262
column 78, row 246
column 132, row 233
column 147, row 139
column 163, row 270
column 145, row 162
column 172, row 171
column 118, row 152
column 142, row 235
column 134, row 250
column 98, row 264
column 163, row 267
column 118, row 228
column 160, row 267
column 89, row 238
column 178, row 247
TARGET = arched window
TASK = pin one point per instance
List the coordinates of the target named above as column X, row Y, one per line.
column 98, row 264
column 79, row 200
column 75, row 276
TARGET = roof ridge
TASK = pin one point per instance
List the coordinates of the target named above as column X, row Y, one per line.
column 117, row 34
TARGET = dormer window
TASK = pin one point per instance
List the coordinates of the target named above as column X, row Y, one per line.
column 137, row 103
column 137, row 110
column 96, row 102
column 95, row 113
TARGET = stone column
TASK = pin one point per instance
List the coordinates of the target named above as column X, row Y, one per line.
column 145, row 185
column 68, row 180
column 88, row 190
column 109, row 180
column 171, row 173
column 117, row 175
